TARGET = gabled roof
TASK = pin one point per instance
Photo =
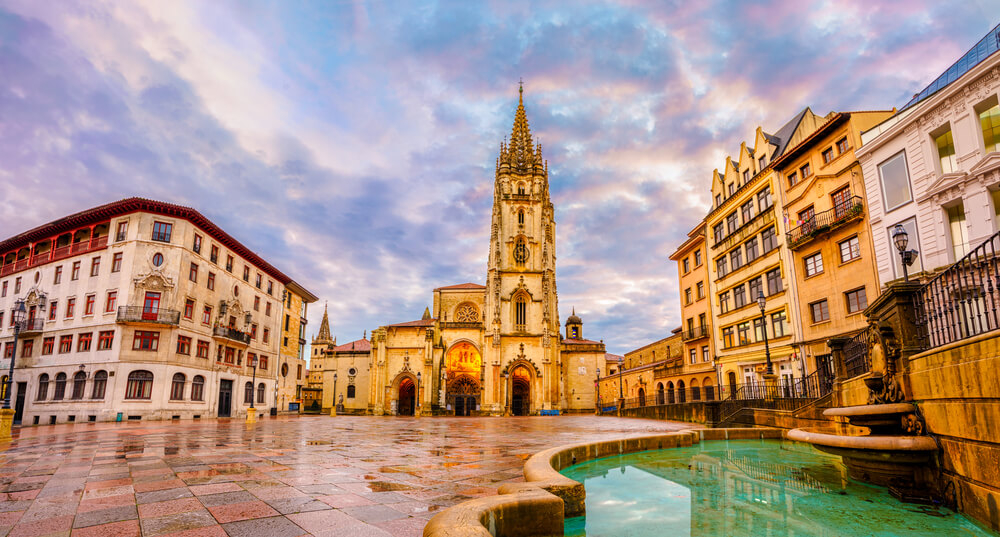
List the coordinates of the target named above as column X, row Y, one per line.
column 418, row 322
column 785, row 133
column 361, row 345
column 461, row 286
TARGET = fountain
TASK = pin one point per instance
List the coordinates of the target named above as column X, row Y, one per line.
column 885, row 443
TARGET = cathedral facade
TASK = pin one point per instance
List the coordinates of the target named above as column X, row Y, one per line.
column 493, row 349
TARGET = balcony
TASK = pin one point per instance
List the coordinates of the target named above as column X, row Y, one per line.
column 62, row 252
column 149, row 316
column 231, row 334
column 520, row 197
column 695, row 333
column 826, row 221
column 32, row 327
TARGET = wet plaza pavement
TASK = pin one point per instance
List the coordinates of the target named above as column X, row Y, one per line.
column 311, row 475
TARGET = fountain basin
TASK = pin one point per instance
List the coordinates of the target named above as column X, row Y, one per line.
column 878, row 418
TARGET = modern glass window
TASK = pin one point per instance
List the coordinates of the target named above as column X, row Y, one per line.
column 140, row 385
column 945, row 146
column 752, row 253
column 856, row 300
column 198, row 388
column 161, row 231
column 177, row 387
column 100, row 385
column 739, row 296
column 850, row 249
column 814, row 264
column 895, row 180
column 773, row 281
column 958, row 233
column 989, row 121
column 910, row 225
column 820, row 311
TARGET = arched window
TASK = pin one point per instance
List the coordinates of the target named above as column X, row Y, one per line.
column 43, row 387
column 659, row 393
column 79, row 384
column 520, row 312
column 140, row 385
column 177, row 387
column 520, row 189
column 709, row 389
column 100, row 384
column 248, row 394
column 350, row 391
column 198, row 388
column 670, row 393
column 467, row 312
column 520, row 217
column 681, row 396
column 261, row 393
column 695, row 391
column 520, row 252
column 60, row 387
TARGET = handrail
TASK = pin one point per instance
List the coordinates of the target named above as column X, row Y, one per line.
column 141, row 314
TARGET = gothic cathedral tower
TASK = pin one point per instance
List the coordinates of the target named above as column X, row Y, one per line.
column 521, row 316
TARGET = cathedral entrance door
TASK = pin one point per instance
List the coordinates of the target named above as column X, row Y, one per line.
column 463, row 394
column 407, row 397
column 520, row 401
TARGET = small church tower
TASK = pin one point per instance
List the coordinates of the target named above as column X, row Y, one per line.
column 574, row 326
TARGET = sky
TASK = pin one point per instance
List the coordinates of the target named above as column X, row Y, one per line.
column 353, row 144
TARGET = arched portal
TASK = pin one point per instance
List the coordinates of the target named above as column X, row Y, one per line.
column 520, row 389
column 407, row 397
column 642, row 397
column 463, row 395
column 659, row 394
column 670, row 393
column 681, row 396
column 463, row 365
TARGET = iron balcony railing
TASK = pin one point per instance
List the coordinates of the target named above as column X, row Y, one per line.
column 962, row 301
column 822, row 222
column 695, row 333
column 32, row 326
column 856, row 358
column 141, row 314
column 232, row 334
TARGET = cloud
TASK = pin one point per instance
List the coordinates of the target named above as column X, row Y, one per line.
column 353, row 144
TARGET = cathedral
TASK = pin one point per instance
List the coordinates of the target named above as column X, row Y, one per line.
column 480, row 350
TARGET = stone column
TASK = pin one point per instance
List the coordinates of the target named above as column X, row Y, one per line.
column 839, row 369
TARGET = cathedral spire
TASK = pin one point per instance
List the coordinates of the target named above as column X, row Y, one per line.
column 520, row 154
column 324, row 328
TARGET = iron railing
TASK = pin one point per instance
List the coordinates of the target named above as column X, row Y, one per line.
column 962, row 301
column 791, row 394
column 695, row 333
column 32, row 326
column 141, row 314
column 856, row 358
column 232, row 333
column 821, row 222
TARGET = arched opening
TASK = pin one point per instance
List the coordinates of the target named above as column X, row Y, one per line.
column 520, row 217
column 709, row 389
column 732, row 383
column 100, row 384
column 60, row 387
column 659, row 393
column 139, row 385
column 520, row 312
column 642, row 397
column 463, row 394
column 520, row 390
column 248, row 394
column 681, row 396
column 407, row 400
column 463, row 368
column 520, row 189
column 670, row 393
column 695, row 390
column 177, row 387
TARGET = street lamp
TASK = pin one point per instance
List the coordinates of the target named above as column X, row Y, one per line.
column 900, row 238
column 417, row 395
column 333, row 408
column 253, row 384
column 761, row 301
column 598, row 385
column 18, row 317
column 621, row 370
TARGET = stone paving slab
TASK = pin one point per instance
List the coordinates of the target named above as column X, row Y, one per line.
column 289, row 476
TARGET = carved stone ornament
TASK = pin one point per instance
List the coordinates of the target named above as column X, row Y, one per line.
column 883, row 388
column 153, row 281
column 913, row 425
column 467, row 313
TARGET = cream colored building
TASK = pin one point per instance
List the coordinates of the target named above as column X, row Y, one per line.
column 293, row 342
column 139, row 310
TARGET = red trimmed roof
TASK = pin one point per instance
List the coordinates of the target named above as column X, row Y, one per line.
column 461, row 286
column 133, row 205
column 420, row 322
column 361, row 345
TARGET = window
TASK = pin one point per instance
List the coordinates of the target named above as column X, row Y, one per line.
column 161, row 231
column 270, row 287
column 17, row 285
column 60, row 392
column 850, row 249
column 739, row 296
column 267, row 334
column 758, row 329
column 895, row 182
column 206, row 315
column 288, row 319
column 721, row 265
column 727, row 337
column 229, row 263
column 747, row 211
column 248, row 394
column 198, row 388
column 910, row 225
column 743, row 333
column 88, row 304
column 262, row 364
column 768, row 239
column 8, row 350
column 53, row 308
column 246, row 273
column 718, row 200
column 842, row 202
column 83, row 342
column 104, row 339
column 756, row 287
column 27, row 347
column 48, row 344
column 701, row 290
column 693, row 356
column 95, row 266
column 732, row 223
column 718, row 232
column 697, row 258
column 807, row 220
column 79, row 384
column 65, row 343
column 145, row 341
column 267, row 309
column 122, row 228
column 686, row 265
column 261, row 392
column 211, row 281
column 110, row 301
column 183, row 345
column 258, row 282
column 74, row 272
column 202, row 351
column 989, row 120
column 55, row 280
column 520, row 312
column 140, row 385
column 732, row 189
column 177, row 387
column 805, row 171
column 298, row 373
column 520, row 252
column 4, row 292
column 197, row 244
column 778, row 324
column 752, row 252
column 746, row 175
column 761, row 163
column 828, row 156
column 793, row 178
column 814, row 264
column 193, row 272
column 724, row 302
column 351, row 391
column 100, row 384
column 43, row 387
column 773, row 281
column 856, row 300
column 687, row 296
column 253, row 331
column 736, row 258
column 256, row 303
column 157, row 259
column 958, row 232
column 214, row 257
column 189, row 308
column 764, row 199
column 842, row 145
column 820, row 311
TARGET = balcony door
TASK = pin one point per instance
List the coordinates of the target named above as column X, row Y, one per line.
column 31, row 315
column 151, row 306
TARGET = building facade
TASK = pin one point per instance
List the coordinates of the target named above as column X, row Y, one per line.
column 295, row 305
column 934, row 167
column 139, row 310
column 698, row 364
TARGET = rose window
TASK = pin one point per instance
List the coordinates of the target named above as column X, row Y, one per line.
column 467, row 313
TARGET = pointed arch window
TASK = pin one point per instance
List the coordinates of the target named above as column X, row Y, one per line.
column 520, row 251
column 520, row 312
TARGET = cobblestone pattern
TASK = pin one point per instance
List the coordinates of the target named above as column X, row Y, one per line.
column 342, row 476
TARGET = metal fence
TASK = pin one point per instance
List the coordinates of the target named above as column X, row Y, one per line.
column 856, row 358
column 794, row 393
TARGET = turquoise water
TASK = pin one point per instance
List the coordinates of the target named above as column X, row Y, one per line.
column 745, row 488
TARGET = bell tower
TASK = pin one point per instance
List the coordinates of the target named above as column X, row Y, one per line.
column 521, row 318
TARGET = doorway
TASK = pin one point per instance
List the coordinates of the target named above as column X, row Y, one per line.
column 151, row 306
column 407, row 397
column 465, row 405
column 225, row 398
column 22, row 388
column 520, row 401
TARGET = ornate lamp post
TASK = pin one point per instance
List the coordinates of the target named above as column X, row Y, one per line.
column 900, row 239
column 252, row 411
column 18, row 316
column 416, row 397
column 761, row 301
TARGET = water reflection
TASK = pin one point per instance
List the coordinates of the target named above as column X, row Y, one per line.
column 744, row 488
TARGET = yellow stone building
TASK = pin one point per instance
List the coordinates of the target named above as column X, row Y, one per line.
column 697, row 366
column 645, row 373
column 828, row 234
column 292, row 345
column 494, row 349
